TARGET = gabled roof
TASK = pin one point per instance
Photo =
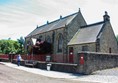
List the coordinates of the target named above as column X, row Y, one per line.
column 53, row 25
column 87, row 34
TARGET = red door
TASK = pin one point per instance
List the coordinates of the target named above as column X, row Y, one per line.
column 71, row 55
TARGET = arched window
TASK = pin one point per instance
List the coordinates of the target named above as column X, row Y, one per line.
column 48, row 39
column 60, row 42
column 40, row 37
column 28, row 47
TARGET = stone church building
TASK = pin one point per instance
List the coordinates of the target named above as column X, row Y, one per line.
column 71, row 34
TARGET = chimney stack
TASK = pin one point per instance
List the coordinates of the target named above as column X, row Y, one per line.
column 106, row 17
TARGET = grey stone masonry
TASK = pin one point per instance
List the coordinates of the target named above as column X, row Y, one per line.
column 96, row 61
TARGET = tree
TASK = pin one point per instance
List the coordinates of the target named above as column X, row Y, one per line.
column 9, row 46
column 21, row 41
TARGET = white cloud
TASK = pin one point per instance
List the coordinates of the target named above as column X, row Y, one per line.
column 114, row 2
column 19, row 18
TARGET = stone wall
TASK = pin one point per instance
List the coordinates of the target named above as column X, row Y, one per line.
column 62, row 67
column 95, row 61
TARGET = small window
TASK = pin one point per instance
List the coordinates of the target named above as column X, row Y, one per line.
column 48, row 39
column 84, row 48
column 109, row 50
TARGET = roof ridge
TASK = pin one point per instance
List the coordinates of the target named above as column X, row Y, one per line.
column 92, row 24
column 57, row 20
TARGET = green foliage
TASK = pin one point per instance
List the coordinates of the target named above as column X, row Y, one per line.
column 12, row 46
column 9, row 46
column 21, row 41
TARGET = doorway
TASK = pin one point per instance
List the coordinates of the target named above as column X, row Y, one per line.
column 71, row 55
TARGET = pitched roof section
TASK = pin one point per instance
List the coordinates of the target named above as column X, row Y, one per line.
column 53, row 25
column 87, row 34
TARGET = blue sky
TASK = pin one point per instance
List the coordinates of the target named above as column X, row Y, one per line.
column 3, row 1
column 19, row 17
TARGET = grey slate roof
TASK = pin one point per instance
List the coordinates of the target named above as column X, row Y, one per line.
column 87, row 34
column 53, row 25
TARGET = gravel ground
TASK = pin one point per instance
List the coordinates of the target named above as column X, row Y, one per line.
column 11, row 75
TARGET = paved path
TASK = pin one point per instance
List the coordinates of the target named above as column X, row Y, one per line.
column 104, row 76
column 11, row 73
